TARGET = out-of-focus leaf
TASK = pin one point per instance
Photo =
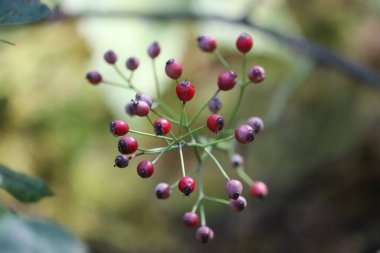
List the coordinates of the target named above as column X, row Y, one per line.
column 23, row 187
column 22, row 11
column 36, row 236
column 3, row 210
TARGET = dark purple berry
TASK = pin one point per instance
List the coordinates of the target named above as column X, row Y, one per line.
column 130, row 108
column 190, row 219
column 110, row 57
column 141, row 96
column 237, row 160
column 173, row 69
column 94, row 77
column 234, row 188
column 204, row 234
column 244, row 134
column 154, row 50
column 206, row 43
column 227, row 80
column 163, row 191
column 256, row 74
column 132, row 63
column 238, row 204
column 215, row 104
column 258, row 190
column 145, row 169
column 121, row 161
column 127, row 145
column 244, row 43
column 256, row 123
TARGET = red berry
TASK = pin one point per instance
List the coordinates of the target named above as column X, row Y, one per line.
column 119, row 128
column 244, row 134
column 256, row 74
column 173, row 69
column 94, row 77
column 142, row 108
column 234, row 188
column 238, row 204
column 161, row 126
column 185, row 91
column 256, row 123
column 227, row 80
column 154, row 50
column 186, row 185
column 163, row 191
column 215, row 123
column 244, row 43
column 258, row 189
column 204, row 234
column 110, row 57
column 145, row 169
column 132, row 63
column 121, row 161
column 127, row 145
column 190, row 219
column 206, row 43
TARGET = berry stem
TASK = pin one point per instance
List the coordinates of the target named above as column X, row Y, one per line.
column 182, row 162
column 222, row 60
column 156, row 79
column 203, row 216
column 217, row 200
column 237, row 105
column 162, row 152
column 202, row 108
column 151, row 135
column 196, row 205
column 244, row 176
column 164, row 116
column 191, row 132
column 154, row 150
column 217, row 164
column 181, row 119
column 167, row 109
column 127, row 80
column 115, row 84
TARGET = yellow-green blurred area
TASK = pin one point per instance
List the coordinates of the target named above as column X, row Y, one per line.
column 319, row 153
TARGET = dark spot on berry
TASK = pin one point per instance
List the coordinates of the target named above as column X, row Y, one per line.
column 121, row 146
column 204, row 238
column 159, row 194
column 187, row 191
column 142, row 173
column 112, row 127
column 235, row 195
column 169, row 61
column 158, row 129
column 220, row 123
column 251, row 136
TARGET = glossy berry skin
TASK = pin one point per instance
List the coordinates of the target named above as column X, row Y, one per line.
column 110, row 57
column 94, row 77
column 127, row 145
column 186, row 185
column 238, row 204
column 256, row 74
column 256, row 123
column 206, row 43
column 142, row 108
column 119, row 128
column 141, row 96
column 145, row 169
column 237, row 160
column 161, row 126
column 215, row 123
column 130, row 108
column 234, row 188
column 132, row 63
column 204, row 234
column 244, row 134
column 227, row 80
column 121, row 161
column 215, row 104
column 173, row 69
column 190, row 219
column 154, row 50
column 244, row 43
column 185, row 91
column 163, row 191
column 258, row 189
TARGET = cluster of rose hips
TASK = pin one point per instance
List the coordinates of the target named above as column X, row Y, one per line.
column 187, row 136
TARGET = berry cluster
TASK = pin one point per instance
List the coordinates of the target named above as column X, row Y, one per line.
column 223, row 134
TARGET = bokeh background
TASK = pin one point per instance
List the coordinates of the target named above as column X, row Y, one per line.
column 319, row 153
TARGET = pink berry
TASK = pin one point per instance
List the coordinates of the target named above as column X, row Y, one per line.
column 185, row 91
column 161, row 126
column 119, row 128
column 173, row 69
column 256, row 74
column 94, row 77
column 127, row 145
column 227, row 80
column 238, row 204
column 132, row 63
column 110, row 57
column 237, row 160
column 190, row 219
column 244, row 43
column 142, row 108
column 145, row 169
column 244, row 134
column 215, row 123
column 163, row 190
column 204, row 234
column 256, row 123
column 154, row 50
column 258, row 190
column 206, row 43
column 186, row 185
column 234, row 188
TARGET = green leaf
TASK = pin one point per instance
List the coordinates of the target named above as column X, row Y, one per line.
column 36, row 236
column 23, row 187
column 22, row 11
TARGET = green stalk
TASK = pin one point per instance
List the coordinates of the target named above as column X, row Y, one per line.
column 237, row 105
column 182, row 162
column 217, row 200
column 156, row 80
column 151, row 135
column 202, row 108
column 162, row 152
column 217, row 164
column 243, row 175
